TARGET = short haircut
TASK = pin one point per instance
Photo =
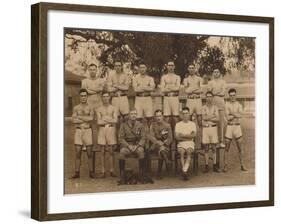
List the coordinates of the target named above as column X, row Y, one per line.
column 158, row 111
column 142, row 63
column 185, row 109
column 171, row 60
column 232, row 90
column 83, row 91
column 191, row 64
column 209, row 93
column 216, row 69
column 93, row 64
column 117, row 60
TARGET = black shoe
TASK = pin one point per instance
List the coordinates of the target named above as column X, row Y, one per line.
column 185, row 176
column 92, row 174
column 159, row 176
column 243, row 168
column 206, row 170
column 216, row 169
column 76, row 175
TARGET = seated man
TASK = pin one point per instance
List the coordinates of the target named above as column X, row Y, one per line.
column 132, row 139
column 185, row 132
column 161, row 137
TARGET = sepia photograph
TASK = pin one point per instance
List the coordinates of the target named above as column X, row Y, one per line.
column 151, row 110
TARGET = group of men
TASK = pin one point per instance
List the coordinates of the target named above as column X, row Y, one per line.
column 104, row 106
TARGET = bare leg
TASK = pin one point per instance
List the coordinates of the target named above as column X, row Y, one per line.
column 227, row 146
column 240, row 153
column 102, row 147
column 78, row 153
column 111, row 160
column 206, row 156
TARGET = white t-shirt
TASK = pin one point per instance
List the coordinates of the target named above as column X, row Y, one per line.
column 185, row 128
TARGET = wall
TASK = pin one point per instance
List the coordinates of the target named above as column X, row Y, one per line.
column 15, row 111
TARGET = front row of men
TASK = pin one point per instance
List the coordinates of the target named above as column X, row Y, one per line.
column 135, row 137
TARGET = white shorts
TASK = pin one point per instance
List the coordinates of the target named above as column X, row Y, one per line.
column 210, row 135
column 194, row 105
column 83, row 137
column 144, row 106
column 171, row 106
column 233, row 131
column 186, row 146
column 122, row 104
column 107, row 136
column 94, row 101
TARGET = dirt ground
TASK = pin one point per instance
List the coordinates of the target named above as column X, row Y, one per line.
column 173, row 180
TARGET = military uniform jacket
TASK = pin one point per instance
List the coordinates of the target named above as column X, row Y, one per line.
column 132, row 134
column 161, row 132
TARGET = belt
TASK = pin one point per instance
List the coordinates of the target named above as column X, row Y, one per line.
column 83, row 128
column 171, row 94
column 119, row 94
column 233, row 123
column 209, row 125
column 107, row 125
column 193, row 97
column 143, row 94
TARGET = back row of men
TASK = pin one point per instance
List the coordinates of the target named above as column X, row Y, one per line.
column 95, row 99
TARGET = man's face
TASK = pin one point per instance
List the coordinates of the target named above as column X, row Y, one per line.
column 232, row 96
column 159, row 117
column 216, row 73
column 93, row 71
column 133, row 115
column 171, row 67
column 118, row 66
column 191, row 69
column 209, row 98
column 105, row 98
column 185, row 115
column 83, row 97
column 142, row 69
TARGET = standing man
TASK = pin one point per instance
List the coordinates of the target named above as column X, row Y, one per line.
column 94, row 86
column 143, row 86
column 107, row 119
column 185, row 132
column 233, row 129
column 170, row 85
column 161, row 137
column 132, row 139
column 217, row 86
column 118, row 84
column 210, row 132
column 82, row 116
column 192, row 86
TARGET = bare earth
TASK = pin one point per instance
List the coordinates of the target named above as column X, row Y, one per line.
column 109, row 184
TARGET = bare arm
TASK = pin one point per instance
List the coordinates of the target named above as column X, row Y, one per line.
column 124, row 86
column 75, row 119
column 136, row 86
column 163, row 87
column 176, row 85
